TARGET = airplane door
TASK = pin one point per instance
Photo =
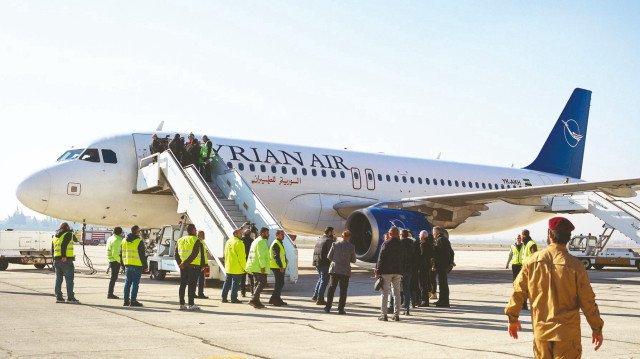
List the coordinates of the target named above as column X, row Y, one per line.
column 370, row 178
column 355, row 177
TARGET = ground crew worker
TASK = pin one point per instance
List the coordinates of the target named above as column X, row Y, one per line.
column 234, row 264
column 515, row 258
column 63, row 257
column 134, row 259
column 558, row 286
column 204, row 264
column 207, row 153
column 114, row 245
column 189, row 256
column 258, row 263
column 278, row 263
column 530, row 246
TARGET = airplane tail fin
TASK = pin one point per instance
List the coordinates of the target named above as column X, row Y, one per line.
column 563, row 151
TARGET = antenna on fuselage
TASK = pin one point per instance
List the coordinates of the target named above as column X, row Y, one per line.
column 160, row 126
column 439, row 153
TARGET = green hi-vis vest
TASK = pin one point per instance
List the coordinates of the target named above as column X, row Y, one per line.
column 130, row 255
column 527, row 250
column 203, row 150
column 273, row 263
column 185, row 248
column 57, row 246
column 516, row 254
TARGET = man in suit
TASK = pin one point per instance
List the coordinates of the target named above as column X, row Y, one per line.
column 341, row 255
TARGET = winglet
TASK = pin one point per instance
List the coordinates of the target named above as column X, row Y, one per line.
column 160, row 126
column 563, row 151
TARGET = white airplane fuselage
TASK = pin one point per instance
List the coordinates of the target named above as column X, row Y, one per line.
column 298, row 184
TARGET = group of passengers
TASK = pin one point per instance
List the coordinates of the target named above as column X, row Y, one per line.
column 193, row 152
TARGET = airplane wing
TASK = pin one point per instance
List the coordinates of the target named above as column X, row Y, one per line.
column 450, row 210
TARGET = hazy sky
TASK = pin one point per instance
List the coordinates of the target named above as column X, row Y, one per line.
column 480, row 82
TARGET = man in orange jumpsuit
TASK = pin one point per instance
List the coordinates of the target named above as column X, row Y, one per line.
column 557, row 286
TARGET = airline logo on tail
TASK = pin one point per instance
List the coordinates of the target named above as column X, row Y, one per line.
column 571, row 127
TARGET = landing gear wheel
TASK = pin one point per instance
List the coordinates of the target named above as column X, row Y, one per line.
column 39, row 265
column 598, row 266
column 157, row 274
column 586, row 262
column 4, row 265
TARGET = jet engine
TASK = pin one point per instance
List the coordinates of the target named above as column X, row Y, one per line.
column 368, row 226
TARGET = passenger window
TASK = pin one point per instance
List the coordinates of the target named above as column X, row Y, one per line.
column 356, row 175
column 502, row 186
column 284, row 170
column 490, row 186
column 241, row 166
column 108, row 156
column 370, row 176
column 404, row 179
column 396, row 178
column 333, row 173
column 252, row 167
column 449, row 183
column 341, row 174
column 379, row 178
column 426, row 180
column 91, row 155
column 457, row 184
column 388, row 178
column 477, row 186
column 463, row 184
column 304, row 171
column 229, row 165
column 412, row 180
column 263, row 168
column 442, row 182
column 314, row 172
column 324, row 173
column 274, row 169
column 419, row 180
column 294, row 170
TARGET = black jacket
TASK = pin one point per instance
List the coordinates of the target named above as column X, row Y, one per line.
column 68, row 237
column 443, row 252
column 427, row 253
column 247, row 240
column 409, row 245
column 321, row 251
column 141, row 250
column 391, row 258
column 156, row 146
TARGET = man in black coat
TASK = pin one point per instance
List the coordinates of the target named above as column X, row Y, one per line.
column 247, row 240
column 443, row 261
column 322, row 263
column 390, row 267
column 424, row 264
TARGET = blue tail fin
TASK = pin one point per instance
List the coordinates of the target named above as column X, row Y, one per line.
column 563, row 152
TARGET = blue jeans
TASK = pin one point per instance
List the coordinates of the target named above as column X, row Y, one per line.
column 277, row 289
column 232, row 281
column 64, row 270
column 323, row 281
column 132, row 281
column 406, row 289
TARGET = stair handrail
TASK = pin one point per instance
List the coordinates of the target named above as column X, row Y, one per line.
column 613, row 202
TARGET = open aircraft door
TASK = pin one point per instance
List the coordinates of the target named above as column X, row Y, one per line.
column 370, row 178
column 355, row 177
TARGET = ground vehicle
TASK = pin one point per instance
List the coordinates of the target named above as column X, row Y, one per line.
column 161, row 260
column 94, row 237
column 591, row 252
column 25, row 247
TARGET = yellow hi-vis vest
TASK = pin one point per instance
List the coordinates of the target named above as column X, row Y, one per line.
column 185, row 248
column 516, row 254
column 527, row 250
column 130, row 255
column 204, row 251
column 283, row 258
column 203, row 150
column 57, row 245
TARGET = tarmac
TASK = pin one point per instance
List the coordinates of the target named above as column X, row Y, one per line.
column 475, row 325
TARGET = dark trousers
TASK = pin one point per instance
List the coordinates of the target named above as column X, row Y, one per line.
column 114, row 267
column 201, row 283
column 444, row 284
column 64, row 270
column 188, row 278
column 277, row 289
column 425, row 283
column 433, row 283
column 323, row 281
column 406, row 289
column 243, row 285
column 515, row 269
column 415, row 288
column 207, row 171
column 261, row 282
column 334, row 280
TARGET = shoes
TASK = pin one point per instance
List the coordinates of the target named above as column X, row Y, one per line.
column 383, row 318
column 341, row 311
column 235, row 301
column 396, row 318
column 314, row 298
column 225, row 300
column 193, row 307
column 434, row 296
column 442, row 305
column 260, row 305
column 73, row 301
column 321, row 302
column 423, row 304
column 126, row 303
column 111, row 296
column 390, row 310
column 406, row 312
column 244, row 294
column 254, row 304
column 60, row 300
column 202, row 296
column 282, row 302
column 327, row 310
column 413, row 305
column 135, row 303
column 183, row 307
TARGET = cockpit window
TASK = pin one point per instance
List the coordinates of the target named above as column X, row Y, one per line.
column 70, row 155
column 108, row 156
column 91, row 155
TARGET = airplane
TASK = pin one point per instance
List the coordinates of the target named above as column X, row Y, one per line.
column 308, row 189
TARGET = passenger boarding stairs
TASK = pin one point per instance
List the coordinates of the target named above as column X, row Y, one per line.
column 217, row 208
column 623, row 216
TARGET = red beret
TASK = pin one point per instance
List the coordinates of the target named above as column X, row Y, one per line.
column 561, row 224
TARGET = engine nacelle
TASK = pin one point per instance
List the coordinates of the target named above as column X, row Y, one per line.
column 368, row 226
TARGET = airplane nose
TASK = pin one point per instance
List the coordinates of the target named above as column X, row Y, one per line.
column 34, row 191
